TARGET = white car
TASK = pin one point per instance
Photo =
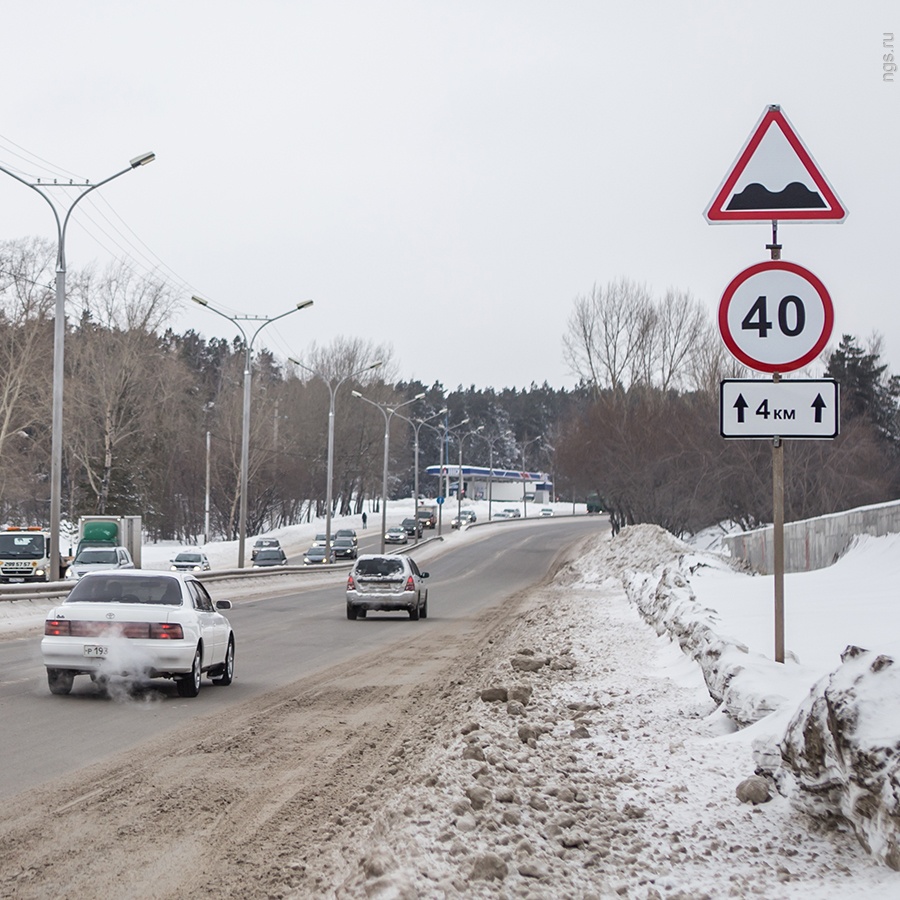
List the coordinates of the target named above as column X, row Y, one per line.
column 190, row 561
column 136, row 625
column 95, row 559
column 546, row 512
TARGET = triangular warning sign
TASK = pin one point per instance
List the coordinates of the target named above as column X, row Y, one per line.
column 775, row 178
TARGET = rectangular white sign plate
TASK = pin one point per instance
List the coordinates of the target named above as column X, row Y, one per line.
column 800, row 409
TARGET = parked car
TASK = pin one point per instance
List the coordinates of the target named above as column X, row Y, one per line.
column 264, row 544
column 190, row 561
column 386, row 582
column 316, row 556
column 95, row 559
column 546, row 512
column 396, row 535
column 344, row 548
column 137, row 625
column 269, row 557
column 347, row 533
column 412, row 527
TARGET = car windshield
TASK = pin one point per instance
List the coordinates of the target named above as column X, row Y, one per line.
column 21, row 546
column 343, row 542
column 269, row 554
column 97, row 556
column 382, row 566
column 102, row 588
column 188, row 557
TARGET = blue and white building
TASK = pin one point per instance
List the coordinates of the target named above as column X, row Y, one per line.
column 502, row 485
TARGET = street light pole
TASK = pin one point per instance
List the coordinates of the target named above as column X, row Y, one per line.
column 459, row 479
column 332, row 391
column 417, row 424
column 387, row 410
column 245, row 427
column 525, row 446
column 59, row 336
column 490, row 442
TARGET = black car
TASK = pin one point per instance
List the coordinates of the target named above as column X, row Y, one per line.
column 316, row 555
column 347, row 533
column 344, row 548
column 412, row 527
column 269, row 557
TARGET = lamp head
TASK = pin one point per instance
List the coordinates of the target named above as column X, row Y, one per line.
column 356, row 393
column 200, row 300
column 142, row 160
column 304, row 304
column 418, row 396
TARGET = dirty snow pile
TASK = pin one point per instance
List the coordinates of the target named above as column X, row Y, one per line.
column 831, row 743
column 582, row 756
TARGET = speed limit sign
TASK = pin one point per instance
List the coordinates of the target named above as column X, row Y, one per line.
column 776, row 316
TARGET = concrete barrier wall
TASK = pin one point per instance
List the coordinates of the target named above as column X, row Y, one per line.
column 814, row 543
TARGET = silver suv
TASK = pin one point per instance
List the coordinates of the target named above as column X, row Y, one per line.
column 386, row 582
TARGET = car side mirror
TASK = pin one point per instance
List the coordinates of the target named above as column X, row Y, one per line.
column 424, row 574
column 223, row 604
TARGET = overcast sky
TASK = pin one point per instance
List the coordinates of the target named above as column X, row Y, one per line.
column 447, row 176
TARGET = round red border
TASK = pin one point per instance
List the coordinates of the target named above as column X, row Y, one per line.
column 792, row 365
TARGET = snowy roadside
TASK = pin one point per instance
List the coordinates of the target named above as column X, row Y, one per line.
column 587, row 760
column 827, row 739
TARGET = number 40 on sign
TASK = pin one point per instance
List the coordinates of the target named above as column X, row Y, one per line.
column 776, row 316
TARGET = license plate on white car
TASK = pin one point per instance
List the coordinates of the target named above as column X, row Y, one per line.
column 96, row 650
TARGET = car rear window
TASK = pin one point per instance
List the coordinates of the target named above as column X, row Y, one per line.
column 115, row 589
column 383, row 566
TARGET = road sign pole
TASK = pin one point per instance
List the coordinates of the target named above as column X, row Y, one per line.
column 778, row 537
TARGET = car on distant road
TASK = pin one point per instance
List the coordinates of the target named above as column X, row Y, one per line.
column 379, row 582
column 321, row 539
column 138, row 625
column 546, row 512
column 95, row 559
column 465, row 517
column 273, row 556
column 396, row 535
column 347, row 533
column 512, row 513
column 344, row 548
column 190, row 561
column 412, row 527
column 316, row 556
column 264, row 544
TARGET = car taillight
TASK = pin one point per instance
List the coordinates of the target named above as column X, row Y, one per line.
column 351, row 584
column 166, row 631
column 57, row 627
column 410, row 584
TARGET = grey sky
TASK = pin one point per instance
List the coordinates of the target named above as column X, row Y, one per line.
column 448, row 176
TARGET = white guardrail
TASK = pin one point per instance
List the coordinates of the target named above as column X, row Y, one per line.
column 53, row 589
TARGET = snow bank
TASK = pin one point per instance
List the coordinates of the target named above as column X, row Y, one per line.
column 839, row 757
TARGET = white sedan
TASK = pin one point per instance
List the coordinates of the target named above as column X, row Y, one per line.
column 136, row 624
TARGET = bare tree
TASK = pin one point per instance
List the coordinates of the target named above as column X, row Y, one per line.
column 607, row 335
column 26, row 315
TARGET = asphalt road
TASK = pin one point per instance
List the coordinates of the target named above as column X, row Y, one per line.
column 281, row 638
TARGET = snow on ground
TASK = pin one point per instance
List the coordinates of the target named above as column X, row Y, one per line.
column 625, row 783
column 588, row 760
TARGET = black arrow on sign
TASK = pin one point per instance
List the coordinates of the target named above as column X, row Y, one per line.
column 818, row 405
column 740, row 405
